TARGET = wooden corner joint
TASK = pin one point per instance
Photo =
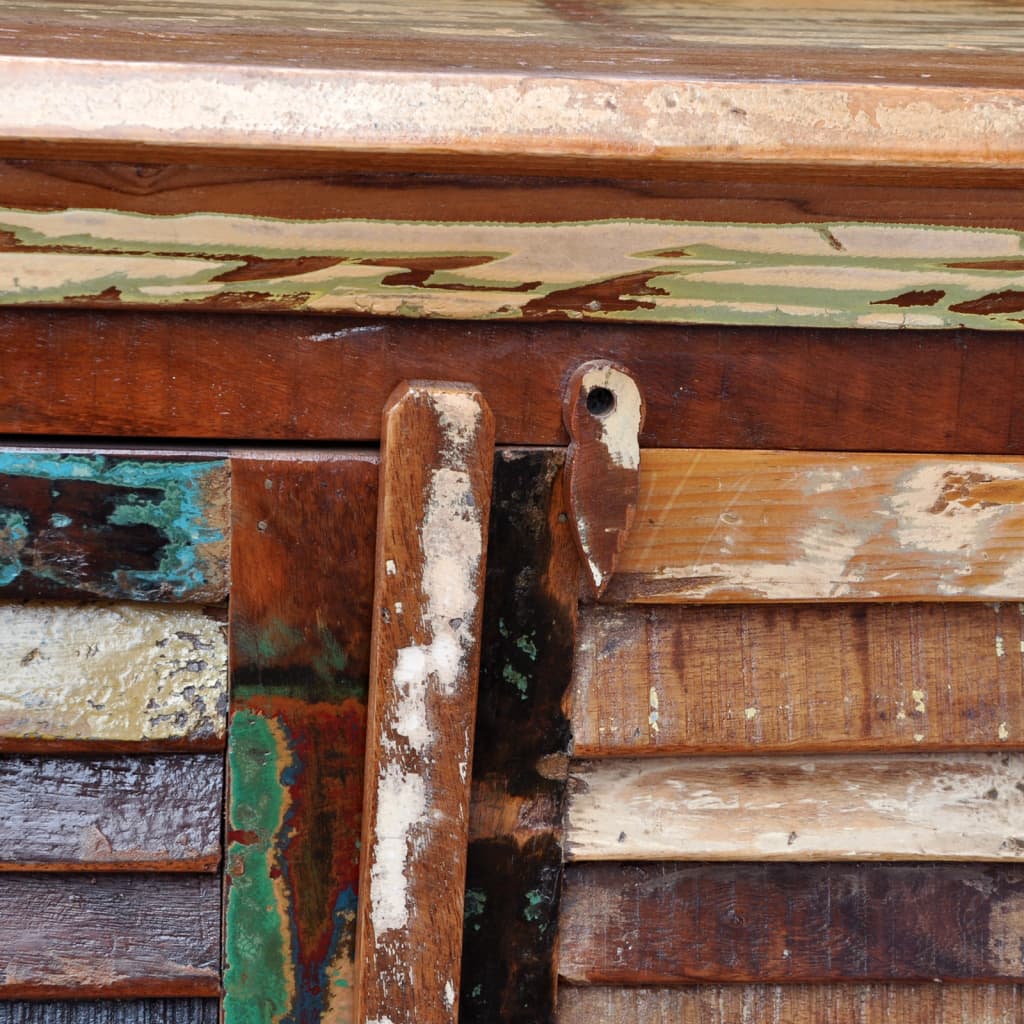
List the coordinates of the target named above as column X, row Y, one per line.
column 604, row 413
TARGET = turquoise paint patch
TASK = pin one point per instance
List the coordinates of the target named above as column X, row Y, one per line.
column 60, row 522
column 517, row 679
column 527, row 646
column 13, row 534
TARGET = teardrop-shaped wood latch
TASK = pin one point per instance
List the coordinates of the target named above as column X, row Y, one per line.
column 603, row 412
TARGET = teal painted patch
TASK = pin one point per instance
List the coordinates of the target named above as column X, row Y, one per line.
column 13, row 534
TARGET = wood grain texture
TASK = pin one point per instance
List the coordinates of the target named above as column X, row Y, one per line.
column 652, row 924
column 110, row 1011
column 907, row 807
column 742, row 526
column 201, row 375
column 520, row 754
column 775, row 678
column 303, row 535
column 109, row 677
column 437, row 457
column 87, row 936
column 113, row 814
column 927, row 1003
column 134, row 527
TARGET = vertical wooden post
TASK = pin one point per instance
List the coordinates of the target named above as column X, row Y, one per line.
column 435, row 483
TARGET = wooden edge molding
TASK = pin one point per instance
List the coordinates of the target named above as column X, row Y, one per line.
column 112, row 1011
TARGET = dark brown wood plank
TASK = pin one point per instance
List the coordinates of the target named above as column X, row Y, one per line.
column 111, row 814
column 87, row 936
column 662, row 680
column 651, row 924
column 110, row 1011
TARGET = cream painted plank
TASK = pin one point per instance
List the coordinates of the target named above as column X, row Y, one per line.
column 905, row 807
column 739, row 526
column 106, row 676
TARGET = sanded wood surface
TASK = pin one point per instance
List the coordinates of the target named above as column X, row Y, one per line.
column 650, row 924
column 437, row 457
column 109, row 935
column 927, row 1003
column 111, row 1011
column 131, row 527
column 104, row 677
column 740, row 526
column 909, row 807
column 142, row 813
column 662, row 680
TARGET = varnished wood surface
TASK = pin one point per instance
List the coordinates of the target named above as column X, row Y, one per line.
column 111, row 676
column 927, row 1003
column 111, row 1011
column 933, row 807
column 80, row 936
column 650, row 924
column 743, row 526
column 116, row 814
column 773, row 678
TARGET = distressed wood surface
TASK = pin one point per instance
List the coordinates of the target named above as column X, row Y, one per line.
column 908, row 807
column 437, row 457
column 741, row 526
column 111, row 1011
column 774, row 678
column 109, row 677
column 303, row 535
column 115, row 814
column 81, row 936
column 138, row 527
column 652, row 924
column 203, row 375
column 520, row 752
column 927, row 1003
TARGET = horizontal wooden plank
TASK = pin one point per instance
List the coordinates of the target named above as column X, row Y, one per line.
column 112, row 1011
column 929, row 1003
column 654, row 924
column 772, row 678
column 79, row 936
column 801, row 526
column 906, row 807
column 121, row 813
column 126, row 527
column 111, row 676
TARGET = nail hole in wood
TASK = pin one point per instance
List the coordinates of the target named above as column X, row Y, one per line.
column 600, row 401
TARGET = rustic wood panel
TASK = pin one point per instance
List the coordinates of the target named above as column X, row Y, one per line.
column 135, row 527
column 663, row 680
column 108, row 677
column 109, row 935
column 794, row 1004
column 652, row 924
column 520, row 753
column 437, row 457
column 777, row 526
column 140, row 813
column 110, row 1011
column 907, row 807
column 303, row 535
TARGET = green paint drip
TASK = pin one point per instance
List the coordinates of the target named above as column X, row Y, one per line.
column 527, row 646
column 534, row 910
column 474, row 906
column 517, row 679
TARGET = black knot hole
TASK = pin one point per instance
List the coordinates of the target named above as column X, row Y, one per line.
column 600, row 401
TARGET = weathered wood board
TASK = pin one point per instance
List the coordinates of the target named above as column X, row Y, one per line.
column 967, row 807
column 655, row 924
column 111, row 1011
column 739, row 526
column 928, row 1003
column 117, row 814
column 111, row 676
column 132, row 527
column 303, row 535
column 772, row 678
column 78, row 936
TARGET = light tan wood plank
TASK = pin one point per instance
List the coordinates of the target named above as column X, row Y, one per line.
column 735, row 526
column 107, row 676
column 907, row 807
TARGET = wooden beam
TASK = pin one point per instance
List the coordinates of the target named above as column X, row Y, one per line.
column 437, row 458
column 110, row 1011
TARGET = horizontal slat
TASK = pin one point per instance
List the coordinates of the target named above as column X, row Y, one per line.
column 101, row 677
column 734, row 526
column 662, row 680
column 907, row 807
column 654, row 924
column 928, row 1003
column 121, row 813
column 140, row 528
column 111, row 1011
column 109, row 935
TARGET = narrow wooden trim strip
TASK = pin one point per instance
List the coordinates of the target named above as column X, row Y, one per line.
column 110, row 1011
column 436, row 467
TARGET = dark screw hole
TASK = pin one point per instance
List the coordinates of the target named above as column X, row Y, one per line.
column 600, row 401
